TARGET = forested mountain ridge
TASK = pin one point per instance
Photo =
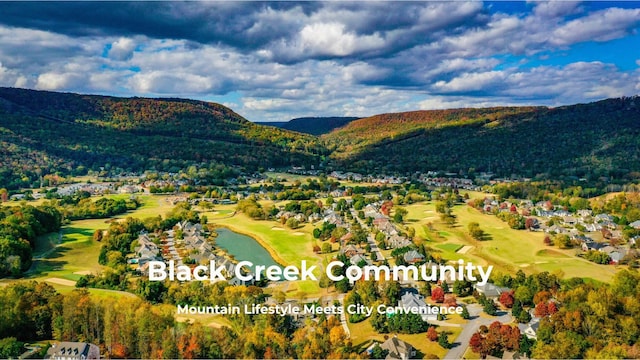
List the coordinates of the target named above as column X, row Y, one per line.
column 46, row 133
column 584, row 140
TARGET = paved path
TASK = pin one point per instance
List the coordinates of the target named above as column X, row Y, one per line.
column 461, row 343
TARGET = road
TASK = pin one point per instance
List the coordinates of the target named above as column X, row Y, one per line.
column 461, row 343
column 372, row 242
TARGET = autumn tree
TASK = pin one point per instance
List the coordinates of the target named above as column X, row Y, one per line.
column 506, row 299
column 432, row 334
column 437, row 294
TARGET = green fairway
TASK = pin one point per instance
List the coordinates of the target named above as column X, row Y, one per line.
column 449, row 247
column 507, row 249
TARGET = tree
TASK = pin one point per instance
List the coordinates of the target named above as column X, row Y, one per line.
column 326, row 248
column 11, row 348
column 462, row 288
column 399, row 215
column 506, row 299
column 476, row 342
column 490, row 308
column 529, row 223
column 465, row 313
column 541, row 309
column 475, row 231
column 292, row 223
column 432, row 334
column 437, row 294
column 378, row 353
column 443, row 340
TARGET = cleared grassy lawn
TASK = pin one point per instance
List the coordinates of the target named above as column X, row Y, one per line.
column 362, row 334
column 508, row 250
column 449, row 247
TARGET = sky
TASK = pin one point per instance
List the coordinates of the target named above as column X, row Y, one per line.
column 274, row 61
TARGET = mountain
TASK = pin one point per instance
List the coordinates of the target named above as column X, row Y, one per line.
column 45, row 134
column 313, row 125
column 62, row 133
column 584, row 140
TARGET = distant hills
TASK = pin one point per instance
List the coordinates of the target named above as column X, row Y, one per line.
column 48, row 134
column 312, row 125
column 585, row 140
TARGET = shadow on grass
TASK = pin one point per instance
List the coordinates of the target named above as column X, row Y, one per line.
column 41, row 267
column 77, row 230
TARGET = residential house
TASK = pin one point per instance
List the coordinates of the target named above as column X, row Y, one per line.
column 584, row 213
column 603, row 218
column 413, row 257
column 592, row 245
column 615, row 253
column 635, row 224
column 396, row 241
column 530, row 329
column 415, row 301
column 490, row 290
column 73, row 350
column 398, row 349
column 359, row 258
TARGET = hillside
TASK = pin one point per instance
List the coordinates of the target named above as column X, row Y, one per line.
column 584, row 140
column 313, row 125
column 47, row 133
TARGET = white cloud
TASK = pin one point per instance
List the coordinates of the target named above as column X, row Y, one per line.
column 58, row 81
column 471, row 82
column 603, row 25
column 122, row 49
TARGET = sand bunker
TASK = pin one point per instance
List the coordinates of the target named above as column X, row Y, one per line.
column 85, row 272
column 298, row 233
column 59, row 281
column 277, row 228
column 464, row 249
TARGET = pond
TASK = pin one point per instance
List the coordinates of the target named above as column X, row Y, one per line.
column 243, row 247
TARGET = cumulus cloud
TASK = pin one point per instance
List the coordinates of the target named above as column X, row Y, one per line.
column 122, row 49
column 600, row 26
column 291, row 59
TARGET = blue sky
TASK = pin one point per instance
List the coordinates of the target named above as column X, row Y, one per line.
column 273, row 61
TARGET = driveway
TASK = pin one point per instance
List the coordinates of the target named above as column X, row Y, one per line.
column 461, row 343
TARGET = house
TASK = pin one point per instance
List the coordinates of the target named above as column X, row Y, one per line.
column 604, row 217
column 415, row 301
column 530, row 329
column 569, row 221
column 584, row 213
column 398, row 349
column 615, row 253
column 490, row 290
column 351, row 251
column 358, row 258
column 592, row 245
column 635, row 224
column 396, row 241
column 412, row 257
column 73, row 350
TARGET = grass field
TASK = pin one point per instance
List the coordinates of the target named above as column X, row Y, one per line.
column 508, row 250
column 449, row 247
column 362, row 334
